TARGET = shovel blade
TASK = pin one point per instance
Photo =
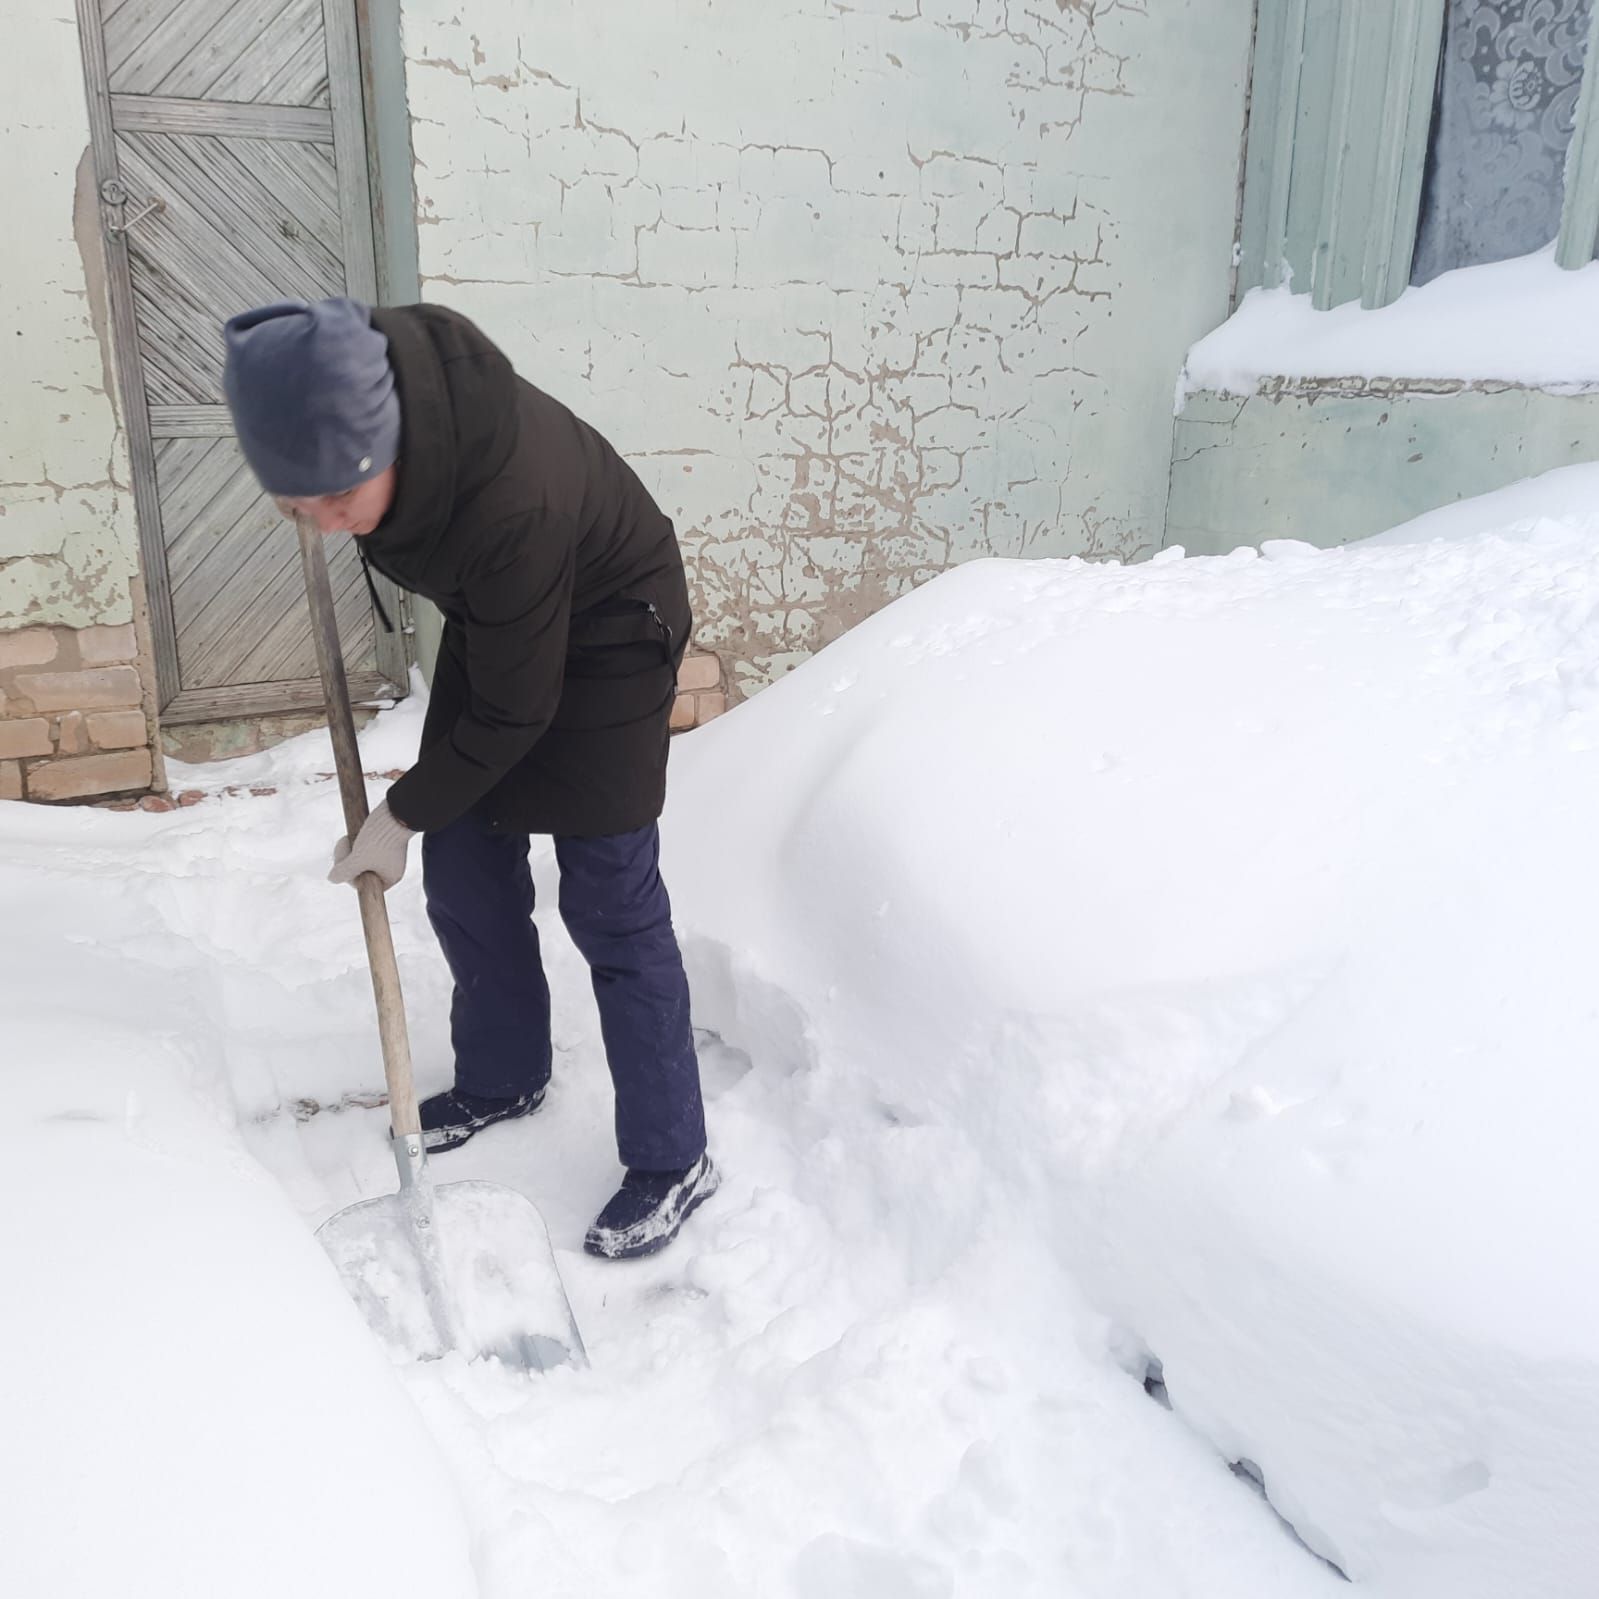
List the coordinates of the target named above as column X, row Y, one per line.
column 465, row 1266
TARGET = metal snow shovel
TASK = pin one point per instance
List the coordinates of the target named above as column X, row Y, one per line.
column 464, row 1266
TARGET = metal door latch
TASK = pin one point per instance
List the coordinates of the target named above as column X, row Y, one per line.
column 113, row 192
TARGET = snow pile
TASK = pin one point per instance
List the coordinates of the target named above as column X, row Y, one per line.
column 1522, row 321
column 1567, row 496
column 811, row 1395
column 191, row 1406
column 1224, row 927
column 1187, row 964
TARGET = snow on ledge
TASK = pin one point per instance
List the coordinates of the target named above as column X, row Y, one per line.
column 1524, row 321
column 1568, row 495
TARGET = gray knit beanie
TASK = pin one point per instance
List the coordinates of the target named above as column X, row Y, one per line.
column 312, row 395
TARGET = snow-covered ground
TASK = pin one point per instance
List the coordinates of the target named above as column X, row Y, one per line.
column 1520, row 321
column 1189, row 963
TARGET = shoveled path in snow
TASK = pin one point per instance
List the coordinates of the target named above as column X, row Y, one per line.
column 841, row 1381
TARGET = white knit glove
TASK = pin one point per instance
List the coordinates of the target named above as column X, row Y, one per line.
column 380, row 848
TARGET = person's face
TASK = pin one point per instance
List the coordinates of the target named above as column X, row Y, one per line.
column 356, row 510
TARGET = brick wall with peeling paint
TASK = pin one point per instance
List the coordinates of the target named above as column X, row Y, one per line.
column 862, row 289
column 68, row 534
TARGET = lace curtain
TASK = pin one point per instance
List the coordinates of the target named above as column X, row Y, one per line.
column 1507, row 94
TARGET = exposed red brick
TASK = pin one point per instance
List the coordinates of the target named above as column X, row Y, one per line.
column 106, row 646
column 71, row 736
column 118, row 730
column 80, row 776
column 104, row 688
column 699, row 672
column 18, row 739
column 32, row 646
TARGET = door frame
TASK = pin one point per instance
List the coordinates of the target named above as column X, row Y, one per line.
column 360, row 178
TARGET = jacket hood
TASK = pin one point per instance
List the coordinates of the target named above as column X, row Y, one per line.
column 458, row 425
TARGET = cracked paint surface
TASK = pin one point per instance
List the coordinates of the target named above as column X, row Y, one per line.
column 862, row 289
column 68, row 534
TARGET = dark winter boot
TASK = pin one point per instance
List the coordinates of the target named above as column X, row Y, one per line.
column 648, row 1209
column 450, row 1118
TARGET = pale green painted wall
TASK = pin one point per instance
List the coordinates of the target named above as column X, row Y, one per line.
column 862, row 291
column 1326, row 466
column 68, row 534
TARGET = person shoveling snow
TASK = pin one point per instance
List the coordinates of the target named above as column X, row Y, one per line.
column 566, row 616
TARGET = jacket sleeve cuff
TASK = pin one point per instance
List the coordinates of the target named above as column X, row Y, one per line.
column 397, row 809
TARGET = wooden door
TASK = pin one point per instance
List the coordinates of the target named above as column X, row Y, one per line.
column 231, row 155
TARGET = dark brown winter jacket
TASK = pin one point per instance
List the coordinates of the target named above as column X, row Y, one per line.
column 561, row 584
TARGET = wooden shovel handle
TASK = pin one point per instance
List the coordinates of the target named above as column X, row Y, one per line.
column 352, row 789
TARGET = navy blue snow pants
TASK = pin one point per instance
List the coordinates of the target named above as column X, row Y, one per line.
column 480, row 901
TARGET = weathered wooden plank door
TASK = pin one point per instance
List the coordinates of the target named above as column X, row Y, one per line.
column 230, row 151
